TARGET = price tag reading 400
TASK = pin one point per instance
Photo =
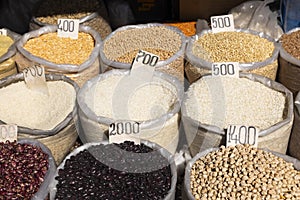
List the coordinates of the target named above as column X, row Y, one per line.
column 222, row 23
column 225, row 69
column 237, row 134
column 68, row 28
column 124, row 131
column 3, row 31
column 8, row 132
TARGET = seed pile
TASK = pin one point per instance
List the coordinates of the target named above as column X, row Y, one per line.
column 291, row 43
column 22, row 170
column 233, row 47
column 224, row 101
column 244, row 172
column 61, row 50
column 5, row 43
column 123, row 45
column 85, row 177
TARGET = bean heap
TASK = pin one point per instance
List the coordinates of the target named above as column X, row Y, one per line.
column 124, row 45
column 61, row 50
column 233, row 47
column 291, row 43
column 5, row 42
column 85, row 176
column 244, row 172
column 22, row 170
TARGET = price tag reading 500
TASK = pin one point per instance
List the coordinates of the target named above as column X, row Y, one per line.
column 68, row 28
column 225, row 69
column 8, row 132
column 237, row 134
column 222, row 23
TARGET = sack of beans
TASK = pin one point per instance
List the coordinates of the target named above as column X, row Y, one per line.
column 120, row 48
column 91, row 13
column 294, row 143
column 116, row 171
column 51, row 118
column 242, row 172
column 212, row 104
column 255, row 52
column 111, row 96
column 78, row 59
column 7, row 53
column 289, row 60
column 27, row 168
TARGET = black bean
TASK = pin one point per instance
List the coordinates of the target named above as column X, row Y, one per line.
column 95, row 177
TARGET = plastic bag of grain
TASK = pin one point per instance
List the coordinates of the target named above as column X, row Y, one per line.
column 211, row 104
column 117, row 171
column 109, row 97
column 294, row 142
column 240, row 172
column 78, row 59
column 255, row 52
column 28, row 167
column 289, row 60
column 49, row 118
column 91, row 13
column 165, row 41
column 7, row 53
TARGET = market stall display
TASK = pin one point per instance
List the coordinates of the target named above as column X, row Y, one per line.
column 294, row 142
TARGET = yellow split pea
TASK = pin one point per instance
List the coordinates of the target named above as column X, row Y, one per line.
column 61, row 50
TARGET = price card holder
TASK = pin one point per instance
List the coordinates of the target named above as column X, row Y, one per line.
column 239, row 134
column 222, row 23
column 230, row 69
column 121, row 131
column 35, row 78
column 8, row 132
column 68, row 28
column 3, row 32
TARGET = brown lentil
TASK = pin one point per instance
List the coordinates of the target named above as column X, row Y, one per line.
column 291, row 43
column 233, row 47
column 61, row 50
column 243, row 172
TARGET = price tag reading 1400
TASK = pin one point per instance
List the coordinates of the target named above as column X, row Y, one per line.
column 225, row 69
column 124, row 131
column 222, row 23
column 68, row 28
column 237, row 134
column 8, row 132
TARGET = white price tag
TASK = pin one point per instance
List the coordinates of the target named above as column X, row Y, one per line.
column 124, row 131
column 225, row 69
column 222, row 23
column 3, row 31
column 68, row 28
column 35, row 78
column 8, row 132
column 239, row 134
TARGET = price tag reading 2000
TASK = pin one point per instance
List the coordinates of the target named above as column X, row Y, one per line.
column 237, row 134
column 124, row 131
column 225, row 69
column 68, row 28
column 222, row 23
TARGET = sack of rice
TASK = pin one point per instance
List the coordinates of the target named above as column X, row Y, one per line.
column 294, row 143
column 27, row 168
column 242, row 172
column 48, row 118
column 165, row 41
column 289, row 61
column 212, row 103
column 116, row 171
column 7, row 53
column 155, row 105
column 78, row 59
column 255, row 52
column 91, row 13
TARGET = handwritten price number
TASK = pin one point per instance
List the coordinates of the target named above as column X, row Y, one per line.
column 3, row 31
column 124, row 128
column 242, row 135
column 8, row 132
column 34, row 71
column 222, row 23
column 146, row 58
column 225, row 69
column 68, row 28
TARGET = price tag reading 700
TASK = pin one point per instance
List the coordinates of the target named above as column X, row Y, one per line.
column 146, row 58
column 237, row 134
